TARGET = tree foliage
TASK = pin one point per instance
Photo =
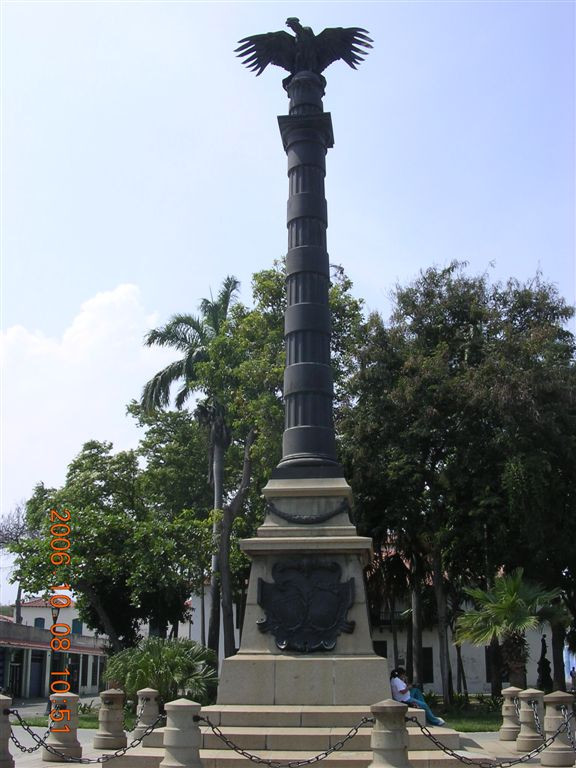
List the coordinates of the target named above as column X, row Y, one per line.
column 460, row 435
column 172, row 667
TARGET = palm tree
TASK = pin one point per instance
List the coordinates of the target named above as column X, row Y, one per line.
column 504, row 613
column 192, row 335
column 172, row 667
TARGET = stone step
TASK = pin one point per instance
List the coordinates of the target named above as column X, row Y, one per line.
column 292, row 715
column 225, row 758
column 316, row 739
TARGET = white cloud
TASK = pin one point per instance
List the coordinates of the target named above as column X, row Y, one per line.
column 60, row 392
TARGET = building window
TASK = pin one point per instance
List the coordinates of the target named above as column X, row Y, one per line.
column 94, row 679
column 76, row 627
column 381, row 648
column 39, row 623
column 428, row 665
column 84, row 671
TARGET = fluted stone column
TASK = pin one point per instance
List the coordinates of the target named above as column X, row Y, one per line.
column 308, row 439
column 510, row 723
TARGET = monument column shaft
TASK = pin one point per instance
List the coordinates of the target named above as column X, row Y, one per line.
column 308, row 389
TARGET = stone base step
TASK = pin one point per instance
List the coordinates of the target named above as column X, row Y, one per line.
column 225, row 758
column 293, row 715
column 316, row 740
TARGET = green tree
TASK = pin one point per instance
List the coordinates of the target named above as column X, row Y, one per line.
column 512, row 606
column 443, row 393
column 192, row 336
column 136, row 555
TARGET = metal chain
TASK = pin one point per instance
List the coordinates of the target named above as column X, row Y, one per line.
column 66, row 758
column 516, row 702
column 291, row 763
column 139, row 714
column 492, row 763
column 28, row 750
column 534, row 704
column 567, row 718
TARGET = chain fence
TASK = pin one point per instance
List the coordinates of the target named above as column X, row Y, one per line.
column 41, row 742
column 139, row 713
column 492, row 763
column 535, row 709
column 289, row 763
column 567, row 717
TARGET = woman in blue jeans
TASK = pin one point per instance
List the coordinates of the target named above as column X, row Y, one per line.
column 404, row 692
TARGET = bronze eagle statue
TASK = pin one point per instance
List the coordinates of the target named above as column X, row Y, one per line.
column 305, row 51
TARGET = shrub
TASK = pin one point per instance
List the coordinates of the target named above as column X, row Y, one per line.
column 172, row 667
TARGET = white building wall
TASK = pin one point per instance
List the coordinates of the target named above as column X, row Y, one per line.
column 473, row 658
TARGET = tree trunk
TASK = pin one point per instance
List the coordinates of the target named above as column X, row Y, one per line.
column 218, row 477
column 417, row 654
column 231, row 512
column 92, row 595
column 18, row 606
column 394, row 630
column 202, row 615
column 495, row 655
column 226, row 582
column 558, row 639
column 462, row 684
column 442, row 609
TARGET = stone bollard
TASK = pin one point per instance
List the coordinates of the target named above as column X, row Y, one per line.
column 529, row 738
column 6, row 759
column 560, row 753
column 510, row 723
column 181, row 735
column 110, row 733
column 389, row 740
column 148, row 710
column 65, row 741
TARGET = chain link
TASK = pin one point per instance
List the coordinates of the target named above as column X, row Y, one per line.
column 493, row 763
column 291, row 763
column 567, row 718
column 534, row 704
column 139, row 714
column 516, row 702
column 41, row 742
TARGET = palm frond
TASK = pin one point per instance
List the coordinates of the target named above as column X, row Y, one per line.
column 181, row 332
column 156, row 392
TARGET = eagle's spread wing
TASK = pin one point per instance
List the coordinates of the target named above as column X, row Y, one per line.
column 257, row 51
column 348, row 44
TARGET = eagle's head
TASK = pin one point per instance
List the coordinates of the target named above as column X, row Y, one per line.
column 294, row 24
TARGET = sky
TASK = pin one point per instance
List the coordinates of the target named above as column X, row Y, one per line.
column 142, row 164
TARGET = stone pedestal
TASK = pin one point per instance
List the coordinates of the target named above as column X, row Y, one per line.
column 63, row 736
column 559, row 754
column 307, row 569
column 529, row 738
column 389, row 739
column 110, row 733
column 510, row 722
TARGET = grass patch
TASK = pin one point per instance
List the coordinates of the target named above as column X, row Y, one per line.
column 470, row 721
column 84, row 721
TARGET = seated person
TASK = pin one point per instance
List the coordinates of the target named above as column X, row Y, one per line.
column 404, row 692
